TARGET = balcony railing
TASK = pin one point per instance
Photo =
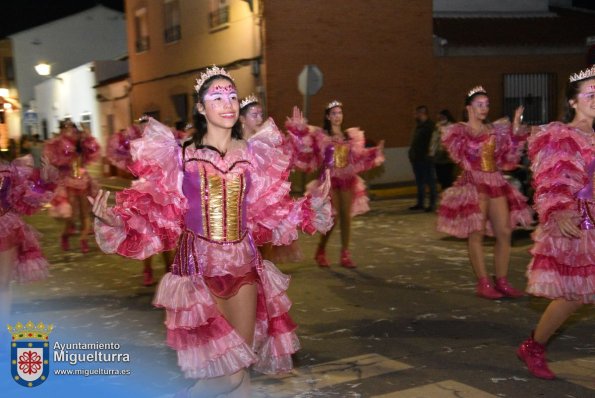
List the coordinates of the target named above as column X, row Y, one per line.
column 173, row 33
column 219, row 18
column 142, row 44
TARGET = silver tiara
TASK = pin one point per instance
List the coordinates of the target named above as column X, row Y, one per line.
column 475, row 90
column 251, row 99
column 333, row 104
column 210, row 72
column 584, row 74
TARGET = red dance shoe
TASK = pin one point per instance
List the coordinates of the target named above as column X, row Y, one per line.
column 485, row 289
column 64, row 243
column 84, row 246
column 320, row 258
column 148, row 277
column 503, row 286
column 346, row 259
column 533, row 354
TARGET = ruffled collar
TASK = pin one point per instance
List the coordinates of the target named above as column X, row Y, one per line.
column 224, row 162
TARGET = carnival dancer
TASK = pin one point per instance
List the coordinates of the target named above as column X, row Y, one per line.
column 23, row 190
column 481, row 200
column 251, row 116
column 71, row 151
column 344, row 154
column 226, row 308
column 118, row 146
column 563, row 265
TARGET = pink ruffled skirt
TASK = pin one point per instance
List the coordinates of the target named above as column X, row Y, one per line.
column 562, row 267
column 459, row 213
column 206, row 343
column 15, row 233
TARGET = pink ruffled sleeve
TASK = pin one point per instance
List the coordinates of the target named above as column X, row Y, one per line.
column 60, row 151
column 305, row 146
column 456, row 140
column 151, row 210
column 557, row 156
column 29, row 191
column 272, row 215
column 509, row 144
column 363, row 158
column 91, row 149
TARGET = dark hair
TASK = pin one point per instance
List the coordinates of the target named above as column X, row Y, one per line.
column 422, row 108
column 244, row 110
column 326, row 123
column 200, row 121
column 446, row 113
column 180, row 124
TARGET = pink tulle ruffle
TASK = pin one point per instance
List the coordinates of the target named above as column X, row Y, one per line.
column 549, row 278
column 207, row 344
column 459, row 213
column 14, row 233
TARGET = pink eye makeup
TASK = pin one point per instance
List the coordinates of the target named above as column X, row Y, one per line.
column 219, row 92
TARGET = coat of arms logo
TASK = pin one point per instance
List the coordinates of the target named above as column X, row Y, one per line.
column 30, row 353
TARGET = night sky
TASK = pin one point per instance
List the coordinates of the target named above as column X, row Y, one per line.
column 18, row 15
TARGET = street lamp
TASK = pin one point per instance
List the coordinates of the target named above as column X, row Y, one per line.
column 43, row 69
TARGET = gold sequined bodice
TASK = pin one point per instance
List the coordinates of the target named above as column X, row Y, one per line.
column 222, row 205
column 75, row 167
column 341, row 155
column 488, row 149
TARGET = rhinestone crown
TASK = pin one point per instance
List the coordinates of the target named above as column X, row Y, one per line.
column 210, row 72
column 584, row 74
column 475, row 90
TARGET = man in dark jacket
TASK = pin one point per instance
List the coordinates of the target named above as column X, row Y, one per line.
column 421, row 162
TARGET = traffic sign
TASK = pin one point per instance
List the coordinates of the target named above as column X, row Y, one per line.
column 30, row 117
column 310, row 80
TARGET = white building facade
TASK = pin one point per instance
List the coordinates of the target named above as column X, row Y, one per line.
column 68, row 44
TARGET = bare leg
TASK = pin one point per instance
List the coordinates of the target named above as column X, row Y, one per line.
column 240, row 312
column 475, row 242
column 8, row 259
column 85, row 216
column 346, row 199
column 500, row 220
column 556, row 313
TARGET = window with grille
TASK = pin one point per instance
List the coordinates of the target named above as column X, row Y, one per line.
column 172, row 32
column 535, row 91
column 141, row 30
column 219, row 14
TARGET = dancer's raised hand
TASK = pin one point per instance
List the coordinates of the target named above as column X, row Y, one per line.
column 100, row 209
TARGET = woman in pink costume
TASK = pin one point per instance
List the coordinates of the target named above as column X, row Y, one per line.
column 344, row 154
column 70, row 152
column 226, row 308
column 481, row 201
column 251, row 116
column 118, row 147
column 563, row 265
column 23, row 190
